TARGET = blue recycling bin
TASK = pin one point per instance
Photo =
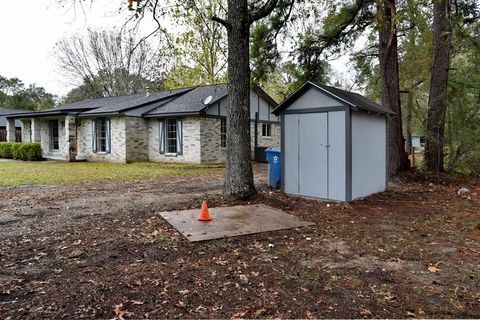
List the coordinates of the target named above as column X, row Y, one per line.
column 274, row 166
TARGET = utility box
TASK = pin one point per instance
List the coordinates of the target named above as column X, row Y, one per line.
column 334, row 144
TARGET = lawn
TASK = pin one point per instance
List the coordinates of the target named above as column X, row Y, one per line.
column 15, row 173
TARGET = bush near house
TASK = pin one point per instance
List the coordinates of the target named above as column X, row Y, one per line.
column 20, row 151
column 6, row 150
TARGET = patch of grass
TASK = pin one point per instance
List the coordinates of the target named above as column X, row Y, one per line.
column 167, row 239
column 15, row 173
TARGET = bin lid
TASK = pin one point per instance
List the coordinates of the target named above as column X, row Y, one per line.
column 273, row 149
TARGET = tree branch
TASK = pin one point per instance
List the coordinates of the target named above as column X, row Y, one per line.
column 262, row 12
column 223, row 22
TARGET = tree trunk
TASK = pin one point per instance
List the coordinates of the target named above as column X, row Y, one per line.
column 408, row 122
column 437, row 99
column 239, row 175
column 389, row 82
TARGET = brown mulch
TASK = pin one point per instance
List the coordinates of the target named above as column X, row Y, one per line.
column 99, row 250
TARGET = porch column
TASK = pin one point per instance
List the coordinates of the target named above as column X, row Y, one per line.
column 71, row 137
column 10, row 130
column 35, row 128
column 26, row 130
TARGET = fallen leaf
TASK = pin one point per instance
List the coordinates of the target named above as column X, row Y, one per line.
column 136, row 302
column 310, row 314
column 411, row 314
column 260, row 311
column 239, row 315
column 119, row 313
column 433, row 269
column 365, row 312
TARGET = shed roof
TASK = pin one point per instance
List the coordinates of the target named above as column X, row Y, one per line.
column 352, row 99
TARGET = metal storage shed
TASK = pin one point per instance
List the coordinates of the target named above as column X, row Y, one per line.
column 334, row 144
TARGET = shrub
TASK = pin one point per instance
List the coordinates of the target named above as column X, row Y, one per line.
column 20, row 151
column 6, row 150
column 15, row 151
column 30, row 151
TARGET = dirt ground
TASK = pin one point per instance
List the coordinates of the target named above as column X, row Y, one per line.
column 100, row 250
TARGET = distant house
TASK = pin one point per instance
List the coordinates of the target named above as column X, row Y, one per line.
column 16, row 129
column 182, row 125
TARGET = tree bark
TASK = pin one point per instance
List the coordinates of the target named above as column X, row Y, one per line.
column 437, row 99
column 408, row 122
column 238, row 175
column 389, row 82
column 238, row 172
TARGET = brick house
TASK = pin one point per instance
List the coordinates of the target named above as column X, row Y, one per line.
column 15, row 127
column 182, row 125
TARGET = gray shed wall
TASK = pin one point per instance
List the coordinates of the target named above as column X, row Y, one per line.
column 369, row 154
column 313, row 98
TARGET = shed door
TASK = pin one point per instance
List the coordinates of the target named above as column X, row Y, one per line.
column 315, row 154
column 313, row 160
column 306, row 160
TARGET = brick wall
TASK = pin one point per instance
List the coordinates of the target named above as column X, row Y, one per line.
column 136, row 139
column 26, row 130
column 191, row 142
column 85, row 136
column 211, row 150
column 272, row 141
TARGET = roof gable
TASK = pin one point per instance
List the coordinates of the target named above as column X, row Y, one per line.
column 354, row 100
column 190, row 102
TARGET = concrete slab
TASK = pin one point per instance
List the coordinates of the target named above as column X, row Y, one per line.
column 231, row 221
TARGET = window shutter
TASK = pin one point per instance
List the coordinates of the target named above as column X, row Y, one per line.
column 161, row 132
column 94, row 135
column 108, row 133
column 179, row 137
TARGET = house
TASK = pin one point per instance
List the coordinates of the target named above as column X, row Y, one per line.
column 334, row 143
column 181, row 125
column 16, row 127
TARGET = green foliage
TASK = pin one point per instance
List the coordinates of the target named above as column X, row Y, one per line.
column 196, row 51
column 263, row 52
column 6, row 150
column 14, row 94
column 311, row 67
column 20, row 151
column 462, row 135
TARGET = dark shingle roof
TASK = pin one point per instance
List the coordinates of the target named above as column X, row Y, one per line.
column 353, row 99
column 169, row 102
column 191, row 101
column 122, row 103
column 8, row 111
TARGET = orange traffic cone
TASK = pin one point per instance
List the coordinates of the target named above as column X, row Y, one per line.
column 204, row 214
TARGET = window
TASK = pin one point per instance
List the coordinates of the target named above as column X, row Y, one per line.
column 101, row 132
column 171, row 141
column 54, row 135
column 266, row 130
column 223, row 133
column 171, row 135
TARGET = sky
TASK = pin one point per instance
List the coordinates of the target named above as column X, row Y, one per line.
column 31, row 28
